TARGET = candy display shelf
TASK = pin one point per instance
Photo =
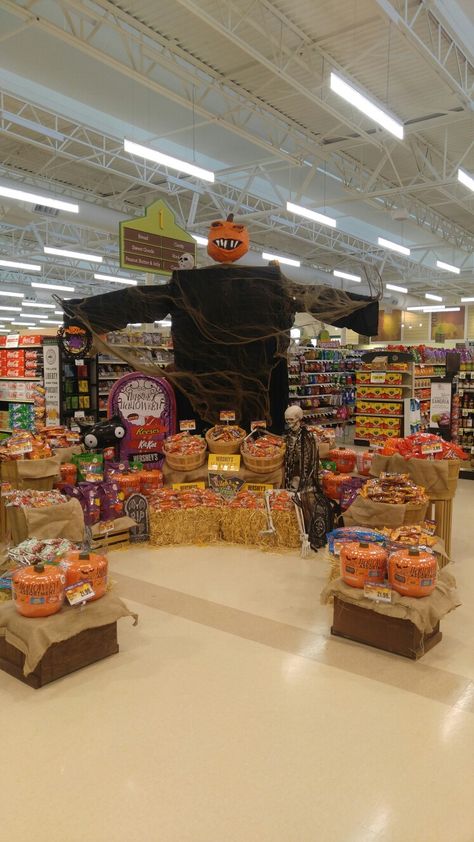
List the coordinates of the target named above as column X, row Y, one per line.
column 384, row 389
column 22, row 401
column 463, row 418
column 322, row 383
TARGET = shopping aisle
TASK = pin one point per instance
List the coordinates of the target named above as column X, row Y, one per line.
column 230, row 714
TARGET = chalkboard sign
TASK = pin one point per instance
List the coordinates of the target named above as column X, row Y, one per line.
column 136, row 507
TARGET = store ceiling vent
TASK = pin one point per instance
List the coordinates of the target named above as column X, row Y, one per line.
column 44, row 211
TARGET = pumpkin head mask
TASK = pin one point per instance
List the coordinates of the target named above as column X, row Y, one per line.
column 227, row 240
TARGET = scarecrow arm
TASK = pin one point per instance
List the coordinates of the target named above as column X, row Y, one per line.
column 337, row 307
column 115, row 310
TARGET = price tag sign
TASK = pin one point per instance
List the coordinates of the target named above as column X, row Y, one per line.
column 431, row 448
column 257, row 487
column 12, row 340
column 258, row 425
column 78, row 593
column 80, row 414
column 378, row 376
column 186, row 426
column 188, row 486
column 227, row 415
column 79, row 362
column 378, row 593
column 465, row 412
column 220, row 462
column 462, row 375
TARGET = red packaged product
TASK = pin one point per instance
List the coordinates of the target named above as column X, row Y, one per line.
column 344, row 458
column 68, row 473
column 150, row 480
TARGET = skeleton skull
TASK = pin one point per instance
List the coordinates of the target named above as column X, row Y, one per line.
column 294, row 417
column 186, row 261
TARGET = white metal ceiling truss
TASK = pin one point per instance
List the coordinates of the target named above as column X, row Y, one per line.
column 71, row 160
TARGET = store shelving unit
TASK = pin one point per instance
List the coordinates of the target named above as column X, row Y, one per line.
column 21, row 371
column 384, row 391
column 464, row 416
column 322, row 382
column 111, row 369
column 424, row 374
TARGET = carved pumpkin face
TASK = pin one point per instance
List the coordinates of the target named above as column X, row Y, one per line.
column 227, row 240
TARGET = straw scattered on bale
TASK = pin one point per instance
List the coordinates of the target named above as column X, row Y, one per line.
column 199, row 525
column 246, row 526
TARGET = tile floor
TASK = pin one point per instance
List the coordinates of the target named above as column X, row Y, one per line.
column 231, row 715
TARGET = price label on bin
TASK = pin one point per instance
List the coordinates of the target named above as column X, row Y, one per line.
column 378, row 593
column 78, row 593
column 227, row 415
column 186, row 426
column 220, row 462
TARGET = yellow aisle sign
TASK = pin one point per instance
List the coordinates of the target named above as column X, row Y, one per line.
column 154, row 243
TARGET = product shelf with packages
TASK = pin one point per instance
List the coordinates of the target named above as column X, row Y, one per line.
column 385, row 400
column 150, row 347
column 462, row 415
column 22, row 392
column 322, row 382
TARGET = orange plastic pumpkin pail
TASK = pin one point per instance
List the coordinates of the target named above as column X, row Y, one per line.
column 362, row 562
column 87, row 567
column 344, row 458
column 38, row 591
column 413, row 572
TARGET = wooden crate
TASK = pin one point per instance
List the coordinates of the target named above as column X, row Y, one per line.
column 62, row 658
column 441, row 511
column 391, row 634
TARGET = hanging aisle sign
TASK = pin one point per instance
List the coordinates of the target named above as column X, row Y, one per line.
column 155, row 243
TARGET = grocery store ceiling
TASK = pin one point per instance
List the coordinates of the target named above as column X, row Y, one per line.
column 243, row 89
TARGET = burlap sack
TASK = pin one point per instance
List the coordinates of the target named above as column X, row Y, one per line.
column 64, row 520
column 438, row 478
column 66, row 453
column 38, row 474
column 365, row 512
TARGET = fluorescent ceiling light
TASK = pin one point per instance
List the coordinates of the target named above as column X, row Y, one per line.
column 134, row 324
column 387, row 244
column 14, row 264
column 51, row 322
column 201, row 241
column 466, row 179
column 30, row 124
column 166, row 160
column 441, row 309
column 417, row 308
column 58, row 313
column 12, row 294
column 115, row 279
column 38, row 304
column 164, row 323
column 347, row 276
column 433, row 297
column 24, row 324
column 394, row 288
column 295, row 333
column 310, row 214
column 52, row 286
column 448, row 267
column 77, row 255
column 24, row 196
column 33, row 316
column 288, row 260
column 466, row 300
column 359, row 101
column 12, row 309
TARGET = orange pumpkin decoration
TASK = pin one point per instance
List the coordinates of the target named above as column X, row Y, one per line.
column 362, row 562
column 227, row 240
column 412, row 572
column 38, row 591
column 87, row 567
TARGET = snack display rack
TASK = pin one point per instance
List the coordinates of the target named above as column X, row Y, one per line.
column 22, row 402
column 384, row 388
column 150, row 347
column 78, row 388
column 462, row 428
column 322, row 382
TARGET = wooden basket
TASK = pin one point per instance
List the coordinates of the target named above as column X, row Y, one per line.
column 262, row 464
column 225, row 447
column 185, row 461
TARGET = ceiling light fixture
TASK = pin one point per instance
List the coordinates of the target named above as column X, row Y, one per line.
column 466, row 300
column 11, row 309
column 433, row 297
column 347, row 276
column 466, row 179
column 38, row 304
column 201, row 241
column 115, row 279
column 12, row 294
column 287, row 260
column 448, row 267
column 30, row 124
column 167, row 160
column 422, row 307
column 35, row 199
column 310, row 214
column 388, row 244
column 50, row 322
column 76, row 255
column 164, row 323
column 24, row 324
column 14, row 264
column 363, row 104
column 441, row 309
column 53, row 286
column 394, row 288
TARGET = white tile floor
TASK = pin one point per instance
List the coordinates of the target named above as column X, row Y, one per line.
column 231, row 715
